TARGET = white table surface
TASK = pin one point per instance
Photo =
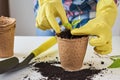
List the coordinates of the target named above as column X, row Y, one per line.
column 25, row 44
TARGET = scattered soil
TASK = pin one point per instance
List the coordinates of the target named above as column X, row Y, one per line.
column 67, row 35
column 57, row 73
column 90, row 64
column 102, row 62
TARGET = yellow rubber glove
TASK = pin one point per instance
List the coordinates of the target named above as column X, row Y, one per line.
column 47, row 13
column 101, row 27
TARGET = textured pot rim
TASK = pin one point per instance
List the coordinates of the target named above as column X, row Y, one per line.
column 82, row 38
column 11, row 21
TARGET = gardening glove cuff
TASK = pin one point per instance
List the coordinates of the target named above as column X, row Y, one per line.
column 47, row 13
column 101, row 27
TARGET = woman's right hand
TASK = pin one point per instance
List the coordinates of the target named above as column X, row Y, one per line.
column 47, row 13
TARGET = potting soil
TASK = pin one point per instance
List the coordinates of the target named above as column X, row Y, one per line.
column 53, row 72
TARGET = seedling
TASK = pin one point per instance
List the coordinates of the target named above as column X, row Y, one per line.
column 72, row 25
column 66, row 33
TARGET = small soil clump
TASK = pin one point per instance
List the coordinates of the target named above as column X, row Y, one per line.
column 102, row 62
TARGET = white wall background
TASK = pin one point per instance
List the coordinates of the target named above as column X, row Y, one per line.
column 22, row 10
column 116, row 27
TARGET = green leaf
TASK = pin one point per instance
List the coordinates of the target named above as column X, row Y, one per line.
column 75, row 22
column 115, row 64
column 67, row 25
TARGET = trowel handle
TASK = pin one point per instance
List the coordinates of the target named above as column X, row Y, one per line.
column 45, row 46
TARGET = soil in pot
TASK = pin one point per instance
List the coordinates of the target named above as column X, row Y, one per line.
column 66, row 34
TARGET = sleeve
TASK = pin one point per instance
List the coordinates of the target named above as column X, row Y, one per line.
column 36, row 6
